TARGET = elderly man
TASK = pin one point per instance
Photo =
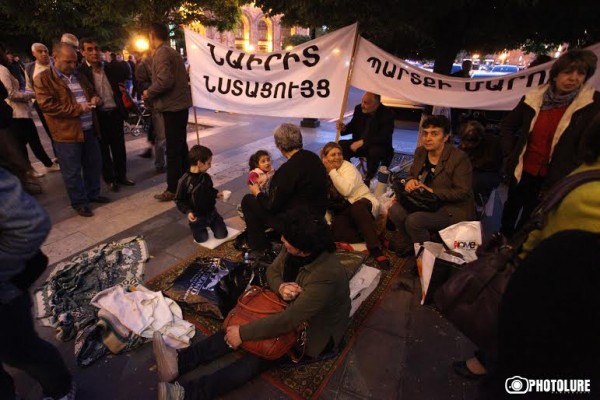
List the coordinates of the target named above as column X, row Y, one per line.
column 111, row 114
column 300, row 182
column 372, row 126
column 67, row 101
column 170, row 95
column 32, row 69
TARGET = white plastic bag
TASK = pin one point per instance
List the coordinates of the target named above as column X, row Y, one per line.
column 463, row 238
column 428, row 253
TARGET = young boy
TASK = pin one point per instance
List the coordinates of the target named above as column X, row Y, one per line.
column 196, row 197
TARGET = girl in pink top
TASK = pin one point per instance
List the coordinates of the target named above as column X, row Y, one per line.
column 261, row 170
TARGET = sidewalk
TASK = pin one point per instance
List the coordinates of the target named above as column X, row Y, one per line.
column 404, row 350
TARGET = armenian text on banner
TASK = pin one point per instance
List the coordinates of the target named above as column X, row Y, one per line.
column 379, row 72
column 306, row 81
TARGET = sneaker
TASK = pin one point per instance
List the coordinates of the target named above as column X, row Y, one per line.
column 167, row 391
column 165, row 196
column 53, row 168
column 166, row 360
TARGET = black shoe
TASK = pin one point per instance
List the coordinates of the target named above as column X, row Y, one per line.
column 113, row 186
column 460, row 367
column 146, row 154
column 126, row 182
column 84, row 211
column 100, row 199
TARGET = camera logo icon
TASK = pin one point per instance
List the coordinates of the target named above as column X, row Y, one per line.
column 516, row 385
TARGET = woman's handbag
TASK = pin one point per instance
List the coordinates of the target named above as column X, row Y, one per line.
column 416, row 200
column 471, row 298
column 257, row 303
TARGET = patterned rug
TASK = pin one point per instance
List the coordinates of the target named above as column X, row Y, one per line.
column 63, row 301
column 298, row 382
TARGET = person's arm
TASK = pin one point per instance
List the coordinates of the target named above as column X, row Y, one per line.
column 24, row 225
column 205, row 196
column 316, row 294
column 345, row 178
column 14, row 94
column 163, row 78
column 462, row 181
column 181, row 196
column 50, row 104
column 510, row 128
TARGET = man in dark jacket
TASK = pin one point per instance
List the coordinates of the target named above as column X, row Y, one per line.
column 111, row 114
column 372, row 126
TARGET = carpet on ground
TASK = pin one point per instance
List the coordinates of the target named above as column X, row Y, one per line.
column 305, row 381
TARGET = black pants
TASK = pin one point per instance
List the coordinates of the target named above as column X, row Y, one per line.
column 112, row 146
column 376, row 155
column 257, row 220
column 522, row 198
column 354, row 223
column 24, row 130
column 22, row 348
column 177, row 148
column 44, row 123
column 216, row 223
column 224, row 380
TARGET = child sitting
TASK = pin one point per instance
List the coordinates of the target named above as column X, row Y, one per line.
column 196, row 197
column 261, row 170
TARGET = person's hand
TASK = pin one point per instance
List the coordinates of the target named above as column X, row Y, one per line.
column 232, row 337
column 96, row 101
column 340, row 126
column 145, row 95
column 192, row 217
column 86, row 107
column 289, row 290
column 328, row 165
column 254, row 188
column 356, row 145
column 219, row 195
column 411, row 185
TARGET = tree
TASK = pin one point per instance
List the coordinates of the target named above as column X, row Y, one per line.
column 111, row 22
column 437, row 29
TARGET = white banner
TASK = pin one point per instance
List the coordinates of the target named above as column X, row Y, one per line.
column 306, row 81
column 379, row 72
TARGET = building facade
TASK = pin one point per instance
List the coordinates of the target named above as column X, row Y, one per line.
column 255, row 33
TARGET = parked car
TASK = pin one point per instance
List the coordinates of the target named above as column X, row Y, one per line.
column 496, row 71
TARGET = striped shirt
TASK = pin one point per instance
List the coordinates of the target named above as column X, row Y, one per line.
column 79, row 96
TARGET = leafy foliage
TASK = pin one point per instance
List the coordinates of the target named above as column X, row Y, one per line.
column 295, row 40
column 438, row 29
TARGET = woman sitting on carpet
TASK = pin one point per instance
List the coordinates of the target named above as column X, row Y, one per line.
column 351, row 205
column 443, row 170
column 307, row 275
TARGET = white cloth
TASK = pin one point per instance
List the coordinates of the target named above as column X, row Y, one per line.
column 362, row 284
column 349, row 183
column 144, row 312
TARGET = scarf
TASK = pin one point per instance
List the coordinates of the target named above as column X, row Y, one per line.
column 554, row 100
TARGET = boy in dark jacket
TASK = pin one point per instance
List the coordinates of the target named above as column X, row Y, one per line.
column 196, row 197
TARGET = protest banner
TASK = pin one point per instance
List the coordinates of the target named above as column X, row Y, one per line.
column 306, row 81
column 380, row 72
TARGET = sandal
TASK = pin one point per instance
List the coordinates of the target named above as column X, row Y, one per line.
column 382, row 262
column 344, row 246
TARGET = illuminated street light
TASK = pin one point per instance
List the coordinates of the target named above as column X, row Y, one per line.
column 142, row 44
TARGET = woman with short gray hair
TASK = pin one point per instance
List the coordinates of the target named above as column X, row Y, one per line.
column 300, row 181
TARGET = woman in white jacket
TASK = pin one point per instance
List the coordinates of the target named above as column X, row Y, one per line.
column 23, row 128
column 352, row 206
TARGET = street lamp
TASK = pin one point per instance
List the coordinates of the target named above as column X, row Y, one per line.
column 141, row 44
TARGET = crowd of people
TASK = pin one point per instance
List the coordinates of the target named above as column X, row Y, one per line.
column 311, row 203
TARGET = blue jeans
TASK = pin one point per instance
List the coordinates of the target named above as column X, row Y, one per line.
column 216, row 223
column 81, row 166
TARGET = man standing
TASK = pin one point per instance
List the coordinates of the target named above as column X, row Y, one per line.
column 32, row 69
column 111, row 114
column 372, row 126
column 171, row 96
column 67, row 101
